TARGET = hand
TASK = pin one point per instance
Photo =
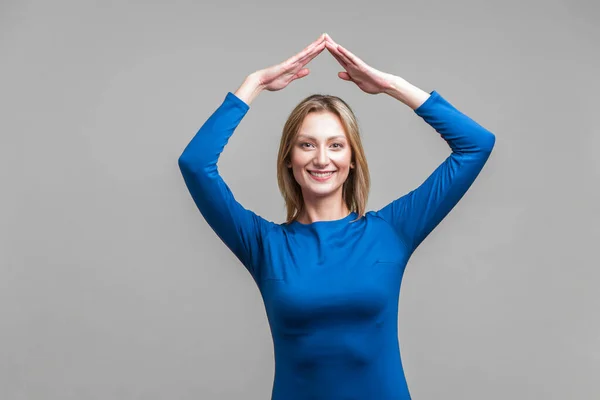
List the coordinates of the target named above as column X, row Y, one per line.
column 279, row 76
column 367, row 78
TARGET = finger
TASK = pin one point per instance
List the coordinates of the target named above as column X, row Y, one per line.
column 339, row 59
column 307, row 51
column 300, row 74
column 308, row 58
column 355, row 60
column 336, row 55
column 317, row 42
column 341, row 55
column 334, row 48
column 329, row 38
column 344, row 75
column 346, row 55
column 316, row 49
column 320, row 39
column 315, row 52
column 333, row 43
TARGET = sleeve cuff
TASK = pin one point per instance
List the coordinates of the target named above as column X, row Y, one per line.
column 431, row 100
column 237, row 101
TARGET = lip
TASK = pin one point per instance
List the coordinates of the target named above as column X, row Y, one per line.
column 321, row 179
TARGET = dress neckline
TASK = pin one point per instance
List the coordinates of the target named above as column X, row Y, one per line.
column 331, row 223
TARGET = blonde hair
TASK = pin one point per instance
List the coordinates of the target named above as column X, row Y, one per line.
column 355, row 191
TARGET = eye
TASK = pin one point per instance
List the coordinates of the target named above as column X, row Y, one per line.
column 339, row 145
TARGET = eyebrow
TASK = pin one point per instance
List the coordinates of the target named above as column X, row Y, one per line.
column 313, row 138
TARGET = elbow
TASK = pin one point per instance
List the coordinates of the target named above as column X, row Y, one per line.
column 181, row 162
column 184, row 164
column 193, row 166
column 488, row 142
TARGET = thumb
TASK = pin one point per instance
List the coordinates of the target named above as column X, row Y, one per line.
column 344, row 76
column 301, row 74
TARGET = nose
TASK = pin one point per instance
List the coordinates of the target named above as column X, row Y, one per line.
column 322, row 158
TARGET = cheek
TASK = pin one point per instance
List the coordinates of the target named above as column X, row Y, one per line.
column 299, row 161
column 343, row 161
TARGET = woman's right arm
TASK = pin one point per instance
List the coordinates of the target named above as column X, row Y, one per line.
column 250, row 88
column 240, row 229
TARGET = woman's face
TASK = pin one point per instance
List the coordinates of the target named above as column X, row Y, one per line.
column 321, row 145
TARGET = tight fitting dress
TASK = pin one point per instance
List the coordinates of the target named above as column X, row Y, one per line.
column 331, row 288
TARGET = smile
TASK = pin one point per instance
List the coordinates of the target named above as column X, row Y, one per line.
column 321, row 177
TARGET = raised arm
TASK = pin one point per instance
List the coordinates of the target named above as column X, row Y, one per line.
column 417, row 213
column 240, row 229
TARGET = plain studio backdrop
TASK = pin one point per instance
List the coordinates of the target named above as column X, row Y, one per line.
column 112, row 284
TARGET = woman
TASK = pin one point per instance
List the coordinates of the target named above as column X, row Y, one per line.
column 330, row 276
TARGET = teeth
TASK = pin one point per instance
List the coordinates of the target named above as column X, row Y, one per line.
column 321, row 175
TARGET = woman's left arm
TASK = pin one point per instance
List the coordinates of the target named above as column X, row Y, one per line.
column 407, row 93
column 414, row 215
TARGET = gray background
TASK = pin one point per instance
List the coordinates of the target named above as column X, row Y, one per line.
column 112, row 284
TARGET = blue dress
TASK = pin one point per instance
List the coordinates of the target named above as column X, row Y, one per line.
column 331, row 288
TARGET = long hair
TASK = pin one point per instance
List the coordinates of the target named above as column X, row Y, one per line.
column 355, row 190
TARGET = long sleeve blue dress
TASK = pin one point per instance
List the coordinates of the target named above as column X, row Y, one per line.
column 331, row 288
